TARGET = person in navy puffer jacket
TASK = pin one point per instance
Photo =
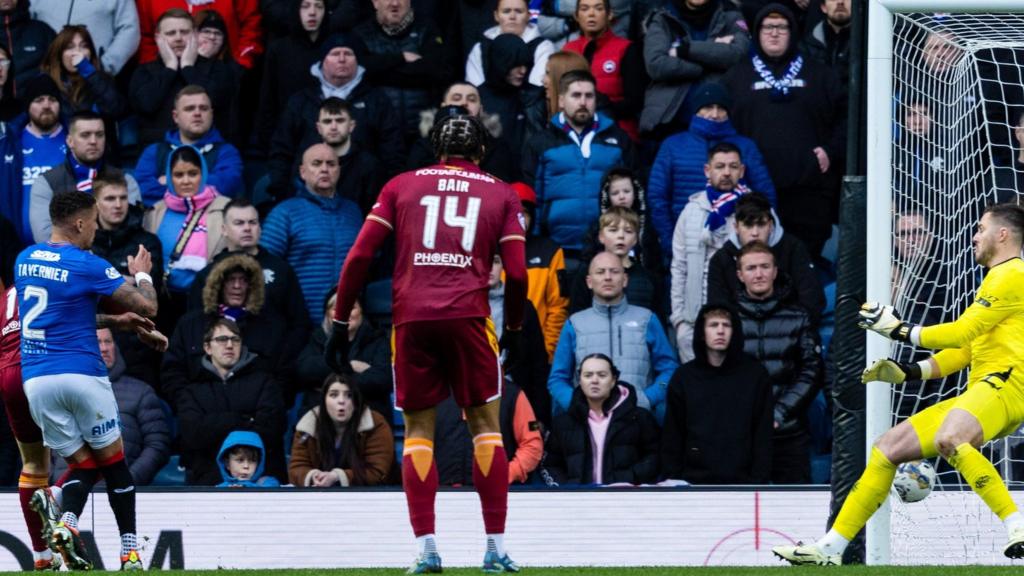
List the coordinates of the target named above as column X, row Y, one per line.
column 678, row 170
column 565, row 163
column 314, row 230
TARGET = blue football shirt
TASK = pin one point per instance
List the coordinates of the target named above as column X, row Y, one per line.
column 59, row 286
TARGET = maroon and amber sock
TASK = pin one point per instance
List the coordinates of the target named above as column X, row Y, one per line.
column 419, row 478
column 490, row 477
column 27, row 485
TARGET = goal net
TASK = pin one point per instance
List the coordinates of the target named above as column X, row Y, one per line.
column 957, row 98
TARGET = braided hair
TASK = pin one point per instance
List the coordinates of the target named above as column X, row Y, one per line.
column 457, row 133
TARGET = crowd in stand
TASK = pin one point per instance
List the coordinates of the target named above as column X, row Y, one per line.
column 678, row 163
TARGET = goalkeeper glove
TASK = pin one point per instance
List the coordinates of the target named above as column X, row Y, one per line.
column 882, row 318
column 336, row 349
column 889, row 370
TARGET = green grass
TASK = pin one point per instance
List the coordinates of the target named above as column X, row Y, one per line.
column 649, row 571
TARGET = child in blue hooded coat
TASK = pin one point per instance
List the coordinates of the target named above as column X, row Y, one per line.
column 241, row 462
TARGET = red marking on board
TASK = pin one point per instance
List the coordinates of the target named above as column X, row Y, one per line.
column 757, row 530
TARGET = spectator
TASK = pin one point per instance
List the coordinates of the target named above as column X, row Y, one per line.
column 233, row 290
column 114, row 25
column 361, row 176
column 288, row 60
column 212, row 44
column 26, row 40
column 828, row 41
column 242, row 19
column 369, row 355
column 559, row 64
column 616, row 63
column 617, row 234
column 678, row 169
column 193, row 117
column 144, row 429
column 513, row 17
column 631, row 334
column 341, row 442
column 282, row 294
column 702, row 228
column 688, row 42
column 718, row 423
column 119, row 236
column 337, row 73
column 85, row 145
column 73, row 63
column 10, row 246
column 40, row 133
column 188, row 221
column 230, row 393
column 529, row 370
column 605, row 437
column 620, row 187
column 545, row 271
column 566, row 162
column 241, row 462
column 155, row 84
column 756, row 220
column 314, row 230
column 506, row 93
column 9, row 106
column 919, row 160
column 406, row 56
column 779, row 334
column 499, row 158
column 777, row 91
column 521, row 435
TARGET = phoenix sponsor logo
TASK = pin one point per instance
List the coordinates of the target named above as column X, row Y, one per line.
column 442, row 259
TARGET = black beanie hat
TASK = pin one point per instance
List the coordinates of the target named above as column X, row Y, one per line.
column 37, row 86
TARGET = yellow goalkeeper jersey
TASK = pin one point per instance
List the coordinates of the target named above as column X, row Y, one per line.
column 990, row 333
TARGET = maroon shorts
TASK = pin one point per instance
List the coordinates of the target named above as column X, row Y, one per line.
column 16, row 406
column 433, row 358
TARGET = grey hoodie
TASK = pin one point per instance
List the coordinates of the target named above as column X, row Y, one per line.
column 113, row 25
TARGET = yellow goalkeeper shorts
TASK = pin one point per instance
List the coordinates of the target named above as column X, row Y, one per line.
column 998, row 405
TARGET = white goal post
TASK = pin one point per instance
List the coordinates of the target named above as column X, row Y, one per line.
column 881, row 205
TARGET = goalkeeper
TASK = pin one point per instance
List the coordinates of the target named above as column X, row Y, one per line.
column 989, row 337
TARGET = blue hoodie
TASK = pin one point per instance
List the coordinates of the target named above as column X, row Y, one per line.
column 225, row 174
column 178, row 279
column 244, row 438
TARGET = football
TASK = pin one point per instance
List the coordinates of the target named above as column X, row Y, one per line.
column 914, row 480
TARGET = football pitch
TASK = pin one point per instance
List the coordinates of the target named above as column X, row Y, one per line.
column 645, row 571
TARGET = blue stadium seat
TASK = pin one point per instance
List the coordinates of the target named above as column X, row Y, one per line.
column 172, row 474
column 377, row 302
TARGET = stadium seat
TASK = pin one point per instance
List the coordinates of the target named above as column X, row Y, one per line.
column 377, row 302
column 172, row 474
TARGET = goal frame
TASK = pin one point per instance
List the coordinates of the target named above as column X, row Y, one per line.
column 878, row 413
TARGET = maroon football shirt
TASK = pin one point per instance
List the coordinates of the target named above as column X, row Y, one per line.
column 448, row 221
column 10, row 337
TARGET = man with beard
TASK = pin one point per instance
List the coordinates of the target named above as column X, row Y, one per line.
column 565, row 163
column 702, row 228
column 86, row 143
column 32, row 145
column 828, row 42
column 778, row 92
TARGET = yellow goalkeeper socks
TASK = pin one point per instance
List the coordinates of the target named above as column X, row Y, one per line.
column 866, row 496
column 983, row 478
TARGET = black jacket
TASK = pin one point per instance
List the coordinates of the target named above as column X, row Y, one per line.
column 115, row 246
column 378, row 130
column 26, row 40
column 411, row 86
column 453, row 448
column 826, row 46
column 371, row 346
column 281, row 288
column 794, row 264
column 153, row 87
column 778, row 332
column 211, row 407
column 718, row 420
column 630, row 448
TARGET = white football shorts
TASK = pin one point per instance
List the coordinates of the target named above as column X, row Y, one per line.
column 73, row 410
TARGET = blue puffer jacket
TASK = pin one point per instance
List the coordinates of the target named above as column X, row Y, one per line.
column 678, row 171
column 314, row 234
column 567, row 176
column 13, row 200
column 223, row 162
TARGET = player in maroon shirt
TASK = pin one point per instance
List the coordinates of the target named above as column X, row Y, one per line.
column 35, row 458
column 449, row 220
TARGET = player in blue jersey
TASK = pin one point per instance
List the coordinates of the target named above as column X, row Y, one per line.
column 59, row 285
